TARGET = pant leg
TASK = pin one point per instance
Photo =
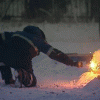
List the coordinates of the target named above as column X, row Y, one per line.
column 6, row 72
column 19, row 55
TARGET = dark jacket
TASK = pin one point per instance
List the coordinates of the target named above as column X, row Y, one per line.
column 21, row 46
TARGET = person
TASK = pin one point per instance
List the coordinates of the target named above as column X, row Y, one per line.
column 18, row 48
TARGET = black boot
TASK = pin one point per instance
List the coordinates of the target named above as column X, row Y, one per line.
column 10, row 81
column 7, row 75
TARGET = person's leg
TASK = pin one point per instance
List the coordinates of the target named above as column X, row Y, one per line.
column 5, row 70
column 6, row 75
column 19, row 56
column 34, row 82
column 1, row 65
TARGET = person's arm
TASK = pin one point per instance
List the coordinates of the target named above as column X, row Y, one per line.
column 55, row 54
column 62, row 57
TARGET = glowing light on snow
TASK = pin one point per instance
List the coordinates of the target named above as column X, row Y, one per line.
column 83, row 80
column 86, row 77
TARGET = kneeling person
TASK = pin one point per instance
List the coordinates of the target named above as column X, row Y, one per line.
column 22, row 46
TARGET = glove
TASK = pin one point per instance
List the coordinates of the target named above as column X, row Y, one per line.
column 79, row 64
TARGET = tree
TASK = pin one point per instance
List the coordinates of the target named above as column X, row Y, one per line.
column 74, row 10
column 6, row 9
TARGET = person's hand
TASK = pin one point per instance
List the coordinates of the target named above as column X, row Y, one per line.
column 79, row 64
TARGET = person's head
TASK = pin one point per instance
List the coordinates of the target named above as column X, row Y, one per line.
column 34, row 30
column 43, row 35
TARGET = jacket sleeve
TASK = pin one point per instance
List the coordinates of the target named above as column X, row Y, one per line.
column 55, row 54
column 60, row 56
column 42, row 45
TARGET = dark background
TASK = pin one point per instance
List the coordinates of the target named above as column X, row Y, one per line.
column 53, row 10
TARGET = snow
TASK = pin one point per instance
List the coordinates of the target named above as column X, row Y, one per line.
column 57, row 81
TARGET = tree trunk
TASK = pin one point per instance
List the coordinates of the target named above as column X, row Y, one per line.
column 6, row 9
column 89, row 7
column 53, row 10
column 87, row 10
column 27, row 9
column 78, row 7
column 74, row 11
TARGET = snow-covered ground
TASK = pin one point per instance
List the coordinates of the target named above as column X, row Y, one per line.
column 57, row 81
